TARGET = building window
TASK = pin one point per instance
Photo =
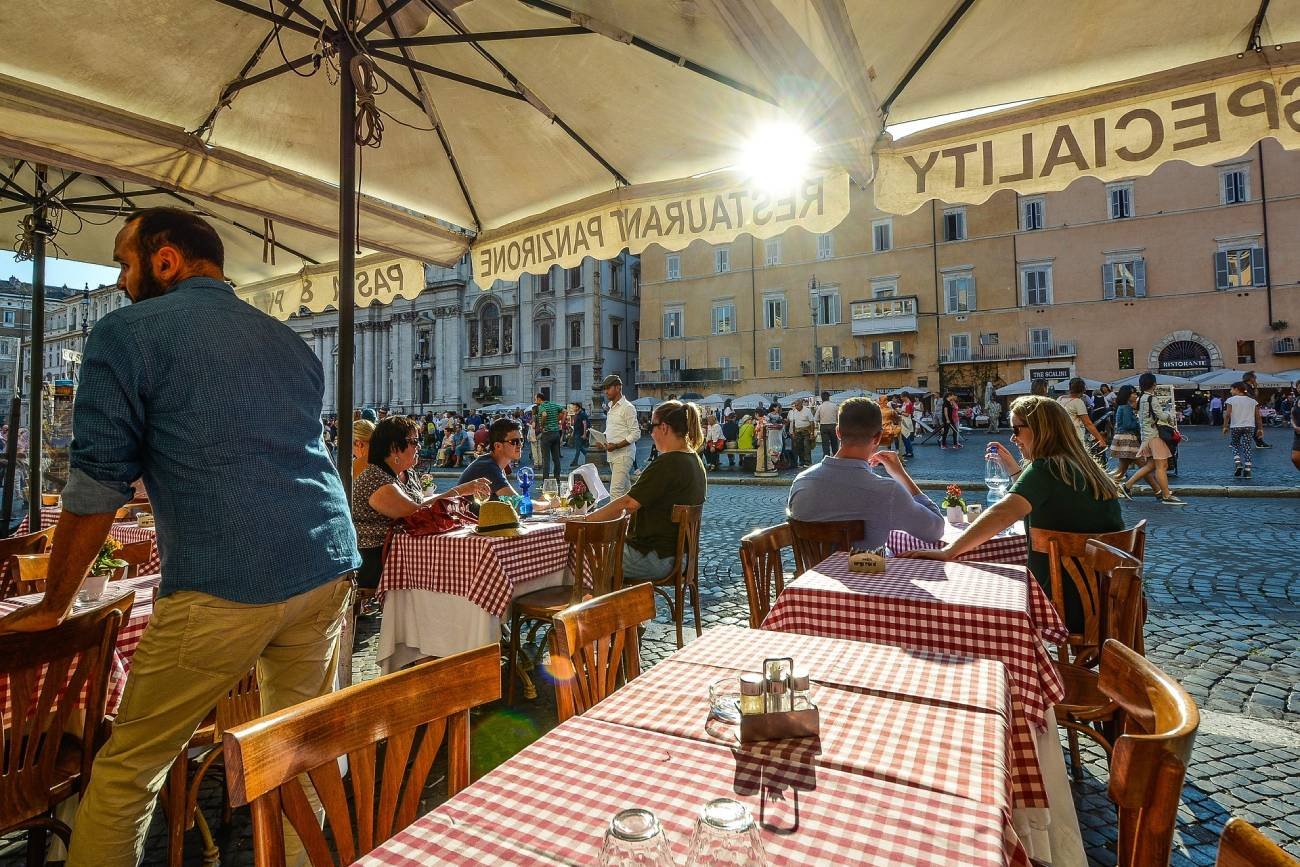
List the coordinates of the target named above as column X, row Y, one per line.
column 774, row 311
column 675, row 365
column 490, row 329
column 725, row 363
column 1234, row 185
column 1125, row 278
column 674, row 267
column 544, row 336
column 4, row 381
column 4, row 348
column 772, row 251
column 954, row 224
column 774, row 358
column 575, row 332
column 722, row 260
column 1126, row 359
column 724, row 318
column 1245, row 352
column 616, row 334
column 507, row 335
column 1236, row 268
column 884, row 288
column 1036, row 285
column 672, row 324
column 882, row 235
column 574, row 278
column 826, row 306
column 636, row 281
column 959, row 347
column 543, row 283
column 887, row 353
column 473, row 337
column 959, row 293
column 1040, row 342
column 989, row 338
column 1121, row 200
column 1031, row 213
column 9, row 317
column 575, row 377
column 636, row 334
column 825, row 246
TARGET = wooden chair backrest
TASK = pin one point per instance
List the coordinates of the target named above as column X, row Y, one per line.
column 1120, row 582
column 242, row 703
column 1065, row 558
column 686, row 559
column 410, row 710
column 596, row 556
column 29, row 543
column 31, row 571
column 74, row 656
column 136, row 554
column 1149, row 762
column 814, row 541
column 1244, row 845
column 761, row 560
column 595, row 642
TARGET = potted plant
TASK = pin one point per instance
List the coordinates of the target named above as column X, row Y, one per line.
column 106, row 565
column 580, row 499
column 954, row 505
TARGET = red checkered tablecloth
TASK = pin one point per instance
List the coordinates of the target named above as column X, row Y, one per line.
column 981, row 610
column 552, row 802
column 1012, row 548
column 483, row 569
column 122, row 531
column 128, row 638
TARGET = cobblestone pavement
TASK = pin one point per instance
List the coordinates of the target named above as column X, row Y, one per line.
column 1224, row 595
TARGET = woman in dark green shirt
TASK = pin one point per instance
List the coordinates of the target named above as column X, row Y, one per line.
column 675, row 478
column 1058, row 486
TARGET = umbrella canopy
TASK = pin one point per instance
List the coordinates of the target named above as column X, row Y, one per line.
column 841, row 396
column 1161, row 379
column 1014, row 389
column 796, row 395
column 644, row 404
column 1089, row 384
column 714, row 399
column 1292, row 376
column 751, row 401
column 1226, row 377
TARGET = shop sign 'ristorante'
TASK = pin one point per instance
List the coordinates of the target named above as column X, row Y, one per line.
column 717, row 211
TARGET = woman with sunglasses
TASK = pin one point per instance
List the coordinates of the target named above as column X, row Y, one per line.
column 388, row 490
column 1058, row 486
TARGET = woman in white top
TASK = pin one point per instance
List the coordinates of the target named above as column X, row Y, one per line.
column 1154, row 449
column 1241, row 416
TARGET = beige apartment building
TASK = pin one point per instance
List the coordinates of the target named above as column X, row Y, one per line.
column 1187, row 270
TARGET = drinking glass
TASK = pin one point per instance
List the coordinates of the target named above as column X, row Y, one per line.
column 635, row 838
column 725, row 834
column 551, row 491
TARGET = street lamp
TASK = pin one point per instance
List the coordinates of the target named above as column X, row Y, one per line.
column 816, row 360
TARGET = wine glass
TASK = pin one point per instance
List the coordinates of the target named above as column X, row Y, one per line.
column 551, row 491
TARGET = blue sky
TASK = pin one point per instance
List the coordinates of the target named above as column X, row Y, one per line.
column 58, row 272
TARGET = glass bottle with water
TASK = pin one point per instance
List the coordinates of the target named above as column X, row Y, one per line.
column 995, row 478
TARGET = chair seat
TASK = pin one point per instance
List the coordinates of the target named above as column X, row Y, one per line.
column 543, row 603
column 1082, row 689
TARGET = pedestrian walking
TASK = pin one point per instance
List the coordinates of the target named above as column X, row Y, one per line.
column 546, row 414
column 1241, row 418
column 951, row 416
column 1126, row 442
column 992, row 407
column 907, row 425
column 730, row 435
column 827, row 413
column 580, row 425
column 1156, row 451
column 1078, row 410
column 802, row 423
column 621, row 433
column 1216, row 411
column 1295, row 427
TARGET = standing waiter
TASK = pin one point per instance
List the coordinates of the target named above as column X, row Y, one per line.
column 621, row 433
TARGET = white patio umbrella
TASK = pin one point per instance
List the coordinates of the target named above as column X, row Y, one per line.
column 796, row 395
column 1014, row 389
column 712, row 400
column 1089, row 384
column 1161, row 379
column 751, row 401
column 1226, row 377
column 644, row 404
column 841, row 396
column 1293, row 376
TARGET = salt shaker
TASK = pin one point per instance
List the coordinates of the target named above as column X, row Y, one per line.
column 799, row 689
column 778, row 696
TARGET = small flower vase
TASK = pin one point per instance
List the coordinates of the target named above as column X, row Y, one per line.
column 956, row 515
column 92, row 588
column 580, row 510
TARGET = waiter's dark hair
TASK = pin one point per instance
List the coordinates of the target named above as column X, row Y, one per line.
column 172, row 227
column 501, row 430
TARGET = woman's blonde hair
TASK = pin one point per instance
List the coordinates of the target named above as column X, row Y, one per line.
column 1056, row 440
column 682, row 419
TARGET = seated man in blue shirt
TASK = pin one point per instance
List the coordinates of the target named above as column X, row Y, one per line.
column 505, row 445
column 217, row 407
column 843, row 487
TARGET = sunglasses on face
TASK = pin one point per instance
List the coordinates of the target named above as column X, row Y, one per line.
column 1017, row 428
column 516, row 441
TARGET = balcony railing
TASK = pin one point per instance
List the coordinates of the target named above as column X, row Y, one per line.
column 1286, row 346
column 1006, row 352
column 883, row 315
column 685, row 375
column 861, row 364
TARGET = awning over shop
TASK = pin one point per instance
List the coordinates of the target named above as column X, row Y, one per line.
column 381, row 279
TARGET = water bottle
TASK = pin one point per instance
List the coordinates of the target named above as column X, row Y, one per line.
column 995, row 478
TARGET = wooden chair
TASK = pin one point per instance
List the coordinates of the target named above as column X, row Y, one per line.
column 30, row 572
column 29, row 543
column 136, row 555
column 814, row 541
column 41, row 764
column 762, row 562
column 180, row 796
column 1242, row 845
column 1158, row 721
column 685, row 577
column 410, row 711
column 1065, row 557
column 1085, row 709
column 596, row 560
column 594, row 647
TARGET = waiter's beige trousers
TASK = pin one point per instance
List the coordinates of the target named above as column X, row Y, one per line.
column 195, row 647
column 620, row 471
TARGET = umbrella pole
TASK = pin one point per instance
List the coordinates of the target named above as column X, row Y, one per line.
column 347, row 255
column 36, row 405
column 11, row 449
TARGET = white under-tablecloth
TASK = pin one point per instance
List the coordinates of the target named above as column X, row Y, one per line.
column 420, row 623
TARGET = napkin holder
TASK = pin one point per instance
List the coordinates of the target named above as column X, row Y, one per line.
column 865, row 561
column 802, row 723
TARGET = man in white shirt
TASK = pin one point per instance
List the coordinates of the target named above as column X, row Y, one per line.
column 621, row 433
column 801, row 423
column 827, row 414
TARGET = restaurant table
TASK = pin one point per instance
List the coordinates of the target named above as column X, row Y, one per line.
column 128, row 637
column 1012, row 547
column 123, row 531
column 910, row 767
column 447, row 593
column 984, row 610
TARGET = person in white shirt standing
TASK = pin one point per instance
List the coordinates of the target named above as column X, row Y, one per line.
column 827, row 416
column 1241, row 415
column 801, row 432
column 621, row 433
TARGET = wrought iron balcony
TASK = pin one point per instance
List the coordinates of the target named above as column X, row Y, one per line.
column 1007, row 352
column 685, row 375
column 861, row 364
column 1286, row 346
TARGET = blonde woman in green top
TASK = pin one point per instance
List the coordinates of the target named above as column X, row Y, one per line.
column 1058, row 486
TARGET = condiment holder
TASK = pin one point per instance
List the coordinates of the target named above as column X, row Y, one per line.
column 784, row 710
column 867, row 560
